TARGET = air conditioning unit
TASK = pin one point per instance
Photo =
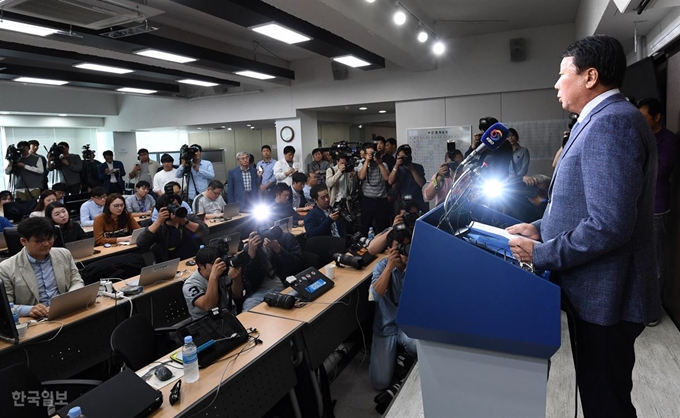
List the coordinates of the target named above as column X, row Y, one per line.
column 91, row 14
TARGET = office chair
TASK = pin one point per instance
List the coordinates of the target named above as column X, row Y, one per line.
column 16, row 211
column 138, row 344
column 18, row 378
column 12, row 239
column 324, row 247
column 310, row 260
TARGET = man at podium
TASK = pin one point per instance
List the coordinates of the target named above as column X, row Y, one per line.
column 596, row 230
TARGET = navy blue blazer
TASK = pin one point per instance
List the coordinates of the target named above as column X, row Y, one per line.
column 597, row 229
column 236, row 191
column 106, row 178
column 318, row 224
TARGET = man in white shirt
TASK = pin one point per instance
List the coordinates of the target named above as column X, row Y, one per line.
column 284, row 169
column 164, row 176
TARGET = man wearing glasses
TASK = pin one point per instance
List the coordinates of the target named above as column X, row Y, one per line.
column 93, row 207
column 38, row 272
column 210, row 201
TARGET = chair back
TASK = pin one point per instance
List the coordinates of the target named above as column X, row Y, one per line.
column 20, row 379
column 12, row 238
column 324, row 247
column 134, row 340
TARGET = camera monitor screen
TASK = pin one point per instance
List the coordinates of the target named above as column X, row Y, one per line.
column 8, row 331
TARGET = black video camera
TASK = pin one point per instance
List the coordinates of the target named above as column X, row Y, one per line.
column 342, row 207
column 279, row 300
column 88, row 154
column 187, row 153
column 236, row 261
column 402, row 231
column 406, row 160
column 404, row 249
column 348, row 260
column 54, row 154
column 13, row 154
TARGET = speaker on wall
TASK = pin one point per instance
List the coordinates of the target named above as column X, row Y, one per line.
column 518, row 49
column 339, row 71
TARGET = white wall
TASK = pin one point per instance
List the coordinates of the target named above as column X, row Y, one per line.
column 18, row 97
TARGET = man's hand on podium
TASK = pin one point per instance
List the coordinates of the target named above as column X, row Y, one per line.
column 522, row 246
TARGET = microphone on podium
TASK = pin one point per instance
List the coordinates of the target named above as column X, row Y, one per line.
column 492, row 139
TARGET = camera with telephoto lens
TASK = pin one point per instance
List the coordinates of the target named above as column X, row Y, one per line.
column 348, row 260
column 279, row 300
column 272, row 234
column 404, row 249
column 401, row 232
column 88, row 154
column 236, row 261
column 55, row 154
column 178, row 210
column 187, row 153
column 342, row 207
column 406, row 160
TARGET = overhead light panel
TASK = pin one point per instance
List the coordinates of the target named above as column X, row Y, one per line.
column 63, row 115
column 34, row 80
column 197, row 82
column 104, row 68
column 438, row 48
column 229, row 129
column 363, row 108
column 200, row 127
column 370, row 1
column 26, row 28
column 248, row 125
column 134, row 90
column 280, row 33
column 165, row 56
column 5, row 113
column 253, row 74
column 351, row 61
column 382, row 111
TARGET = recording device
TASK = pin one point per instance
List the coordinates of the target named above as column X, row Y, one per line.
column 13, row 154
column 55, row 154
column 348, row 260
column 406, row 160
column 236, row 261
column 310, row 284
column 187, row 153
column 178, row 210
column 402, row 231
column 88, row 154
column 404, row 249
column 492, row 139
column 272, row 234
column 279, row 300
column 350, row 150
column 168, row 190
column 342, row 207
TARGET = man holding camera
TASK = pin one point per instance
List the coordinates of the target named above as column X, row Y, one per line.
column 70, row 165
column 381, row 151
column 145, row 169
column 169, row 189
column 408, row 176
column 274, row 255
column 111, row 174
column 374, row 206
column 175, row 233
column 438, row 187
column 323, row 220
column 200, row 171
column 89, row 176
column 27, row 169
column 210, row 201
column 341, row 180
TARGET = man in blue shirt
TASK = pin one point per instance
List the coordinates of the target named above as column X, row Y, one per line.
column 140, row 203
column 202, row 172
column 38, row 272
column 265, row 169
column 93, row 207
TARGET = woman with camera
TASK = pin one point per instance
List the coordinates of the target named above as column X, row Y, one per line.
column 68, row 231
column 115, row 224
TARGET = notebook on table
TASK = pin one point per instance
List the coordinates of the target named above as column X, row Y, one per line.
column 72, row 301
column 81, row 249
column 156, row 273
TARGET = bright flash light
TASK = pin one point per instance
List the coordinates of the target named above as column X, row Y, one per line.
column 261, row 212
column 493, row 189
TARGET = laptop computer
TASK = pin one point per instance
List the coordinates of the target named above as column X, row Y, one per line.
column 232, row 240
column 230, row 210
column 81, row 248
column 72, row 301
column 123, row 395
column 215, row 335
column 135, row 234
column 157, row 272
column 310, row 284
column 286, row 224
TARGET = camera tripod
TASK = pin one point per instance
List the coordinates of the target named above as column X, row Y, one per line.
column 14, row 178
column 187, row 176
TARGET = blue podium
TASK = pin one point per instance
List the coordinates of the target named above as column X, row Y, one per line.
column 485, row 327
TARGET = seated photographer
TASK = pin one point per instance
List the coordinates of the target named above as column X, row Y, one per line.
column 207, row 287
column 341, row 179
column 274, row 255
column 175, row 231
column 172, row 188
column 27, row 169
column 408, row 176
column 66, row 229
column 386, row 286
column 323, row 220
column 408, row 214
column 46, row 197
column 115, row 224
column 210, row 201
column 282, row 208
column 93, row 207
column 141, row 203
column 38, row 272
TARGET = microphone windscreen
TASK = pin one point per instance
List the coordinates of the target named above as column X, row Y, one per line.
column 494, row 137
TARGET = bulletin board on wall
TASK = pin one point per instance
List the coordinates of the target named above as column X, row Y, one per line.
column 429, row 144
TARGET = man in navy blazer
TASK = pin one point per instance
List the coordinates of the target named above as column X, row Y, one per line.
column 111, row 174
column 243, row 183
column 321, row 221
column 596, row 235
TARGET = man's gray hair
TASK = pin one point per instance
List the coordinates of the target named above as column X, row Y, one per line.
column 241, row 154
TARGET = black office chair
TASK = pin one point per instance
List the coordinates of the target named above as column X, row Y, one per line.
column 310, row 260
column 12, row 238
column 138, row 344
column 19, row 379
column 324, row 247
column 16, row 211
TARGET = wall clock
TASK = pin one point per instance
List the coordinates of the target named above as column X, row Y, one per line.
column 287, row 133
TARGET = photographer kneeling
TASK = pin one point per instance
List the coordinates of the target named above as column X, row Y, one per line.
column 274, row 255
column 175, row 233
column 323, row 220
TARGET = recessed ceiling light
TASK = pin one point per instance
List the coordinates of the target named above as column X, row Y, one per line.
column 361, row 126
column 229, row 129
column 223, row 127
column 253, row 74
column 382, row 111
column 26, row 28
column 40, row 81
column 104, row 68
column 370, row 1
column 252, row 127
column 351, row 61
column 280, row 33
column 134, row 90
column 63, row 115
column 438, row 48
column 248, row 125
column 200, row 127
column 363, row 108
column 5, row 113
column 197, row 82
column 166, row 56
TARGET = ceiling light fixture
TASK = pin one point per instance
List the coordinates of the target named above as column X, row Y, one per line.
column 399, row 16
column 103, row 68
column 165, row 56
column 370, row 1
column 351, row 61
column 34, row 80
column 222, row 127
column 252, row 127
column 26, row 28
column 199, row 128
column 63, row 115
column 361, row 126
column 382, row 111
column 134, row 90
column 253, row 74
column 280, row 33
column 197, row 82
column 248, row 125
column 5, row 113
column 229, row 129
column 438, row 48
column 363, row 108
column 422, row 36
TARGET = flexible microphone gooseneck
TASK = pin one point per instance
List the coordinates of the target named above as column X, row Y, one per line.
column 492, row 139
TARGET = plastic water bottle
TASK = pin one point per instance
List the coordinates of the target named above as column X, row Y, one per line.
column 15, row 312
column 190, row 360
column 75, row 412
column 371, row 234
